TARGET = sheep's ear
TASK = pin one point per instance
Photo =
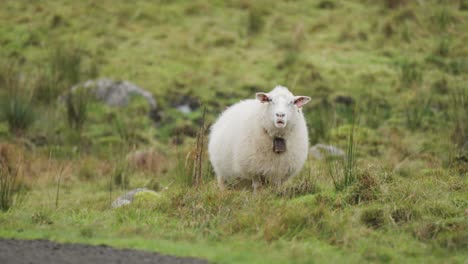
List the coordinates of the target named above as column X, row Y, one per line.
column 299, row 101
column 263, row 97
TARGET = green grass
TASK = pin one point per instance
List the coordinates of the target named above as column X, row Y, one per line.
column 311, row 227
column 16, row 104
column 398, row 196
column 19, row 113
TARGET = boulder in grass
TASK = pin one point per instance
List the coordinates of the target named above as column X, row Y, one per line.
column 130, row 196
column 320, row 151
column 118, row 93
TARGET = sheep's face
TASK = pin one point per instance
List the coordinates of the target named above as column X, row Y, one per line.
column 282, row 105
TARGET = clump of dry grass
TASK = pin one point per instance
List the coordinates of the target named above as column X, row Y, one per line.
column 12, row 182
column 149, row 160
column 401, row 215
column 77, row 104
column 200, row 156
column 365, row 189
column 88, row 169
column 302, row 187
column 373, row 217
column 459, row 104
column 195, row 169
column 302, row 184
column 448, row 234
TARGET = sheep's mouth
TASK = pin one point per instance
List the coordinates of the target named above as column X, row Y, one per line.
column 280, row 123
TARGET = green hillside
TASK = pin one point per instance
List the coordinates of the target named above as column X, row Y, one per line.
column 389, row 86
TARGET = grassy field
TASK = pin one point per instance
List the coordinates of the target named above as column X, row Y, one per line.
column 389, row 85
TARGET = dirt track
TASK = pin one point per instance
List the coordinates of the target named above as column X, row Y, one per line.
column 43, row 251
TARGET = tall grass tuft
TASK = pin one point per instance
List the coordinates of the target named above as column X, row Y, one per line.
column 16, row 108
column 459, row 116
column 181, row 168
column 124, row 131
column 46, row 89
column 350, row 162
column 443, row 18
column 63, row 70
column 57, row 190
column 373, row 217
column 410, row 73
column 77, row 107
column 302, row 184
column 199, row 157
column 443, row 47
column 342, row 170
column 121, row 175
column 8, row 188
column 65, row 66
column 11, row 184
column 415, row 112
column 192, row 168
column 255, row 20
column 321, row 120
column 19, row 113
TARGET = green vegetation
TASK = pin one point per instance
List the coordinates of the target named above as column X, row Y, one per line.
column 389, row 86
column 16, row 108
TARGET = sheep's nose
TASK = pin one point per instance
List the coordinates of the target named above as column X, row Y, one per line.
column 280, row 114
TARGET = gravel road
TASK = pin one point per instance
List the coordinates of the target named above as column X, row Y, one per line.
column 43, row 251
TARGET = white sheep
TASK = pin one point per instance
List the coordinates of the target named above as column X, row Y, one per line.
column 260, row 141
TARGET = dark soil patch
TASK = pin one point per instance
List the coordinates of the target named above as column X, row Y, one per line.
column 43, row 251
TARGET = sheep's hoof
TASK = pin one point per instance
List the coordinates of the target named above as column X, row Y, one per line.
column 221, row 184
column 257, row 186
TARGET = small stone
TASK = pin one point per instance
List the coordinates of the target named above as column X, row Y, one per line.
column 128, row 197
column 185, row 109
column 319, row 151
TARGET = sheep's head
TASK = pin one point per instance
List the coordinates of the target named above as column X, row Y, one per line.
column 281, row 106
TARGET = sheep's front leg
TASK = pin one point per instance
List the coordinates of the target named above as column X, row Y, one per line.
column 256, row 184
column 278, row 183
column 221, row 184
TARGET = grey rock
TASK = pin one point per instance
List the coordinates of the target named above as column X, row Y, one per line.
column 185, row 109
column 320, row 151
column 118, row 93
column 184, row 103
column 128, row 197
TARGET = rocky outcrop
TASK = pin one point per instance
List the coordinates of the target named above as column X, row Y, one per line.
column 118, row 93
